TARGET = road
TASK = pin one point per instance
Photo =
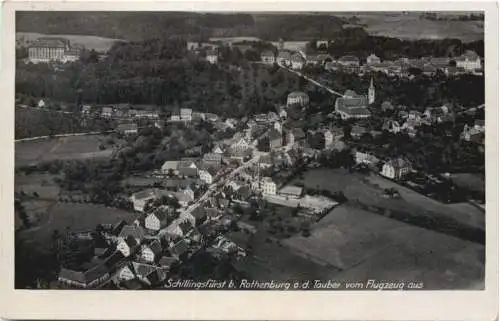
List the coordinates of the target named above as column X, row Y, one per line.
column 312, row 81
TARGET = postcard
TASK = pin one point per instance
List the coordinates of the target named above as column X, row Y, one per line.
column 237, row 160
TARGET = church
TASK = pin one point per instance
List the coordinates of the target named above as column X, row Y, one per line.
column 355, row 106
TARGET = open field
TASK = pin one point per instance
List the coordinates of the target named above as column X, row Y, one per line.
column 272, row 261
column 99, row 44
column 66, row 148
column 41, row 183
column 74, row 217
column 412, row 27
column 368, row 246
column 369, row 190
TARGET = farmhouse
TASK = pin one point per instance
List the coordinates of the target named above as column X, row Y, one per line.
column 212, row 159
column 170, row 167
column 156, row 221
column 297, row 61
column 208, row 174
column 127, row 245
column 88, row 279
column 284, row 58
column 212, row 57
column 396, row 169
column 107, row 112
column 365, row 158
column 267, row 57
column 133, row 231
column 140, row 199
column 149, row 252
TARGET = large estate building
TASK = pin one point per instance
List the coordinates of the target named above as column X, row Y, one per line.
column 50, row 49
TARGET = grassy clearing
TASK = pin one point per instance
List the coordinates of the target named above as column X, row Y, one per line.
column 369, row 191
column 74, row 217
column 65, row 148
column 412, row 27
column 367, row 246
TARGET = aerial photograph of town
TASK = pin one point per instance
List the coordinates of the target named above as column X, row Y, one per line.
column 249, row 151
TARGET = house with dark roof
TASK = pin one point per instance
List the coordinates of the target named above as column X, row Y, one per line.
column 149, row 252
column 275, row 139
column 127, row 245
column 156, row 221
column 295, row 135
column 297, row 61
column 140, row 199
column 146, row 273
column 179, row 249
column 349, row 61
column 396, row 168
column 352, row 105
column 284, row 57
column 199, row 214
column 268, row 57
column 134, row 231
column 91, row 278
column 165, row 262
column 372, row 59
column 186, row 227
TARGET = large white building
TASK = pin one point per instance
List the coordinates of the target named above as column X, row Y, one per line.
column 396, row 168
column 265, row 185
column 470, row 61
column 297, row 98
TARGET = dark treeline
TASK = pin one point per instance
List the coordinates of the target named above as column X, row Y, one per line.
column 356, row 41
column 193, row 26
column 162, row 74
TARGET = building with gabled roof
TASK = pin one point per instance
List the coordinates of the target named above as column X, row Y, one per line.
column 134, row 231
column 127, row 245
column 396, row 168
column 268, row 57
column 149, row 252
column 469, row 61
column 90, row 278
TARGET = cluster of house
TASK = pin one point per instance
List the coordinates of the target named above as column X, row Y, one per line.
column 469, row 62
column 396, row 168
column 142, row 254
column 52, row 49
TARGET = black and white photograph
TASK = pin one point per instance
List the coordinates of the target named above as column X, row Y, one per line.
column 249, row 160
column 250, row 151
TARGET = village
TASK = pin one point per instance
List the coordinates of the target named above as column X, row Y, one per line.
column 197, row 204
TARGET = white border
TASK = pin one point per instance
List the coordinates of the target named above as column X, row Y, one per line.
column 221, row 305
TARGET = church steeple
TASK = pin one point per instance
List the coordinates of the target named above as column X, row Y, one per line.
column 371, row 92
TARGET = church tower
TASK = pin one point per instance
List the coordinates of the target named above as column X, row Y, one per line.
column 371, row 93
